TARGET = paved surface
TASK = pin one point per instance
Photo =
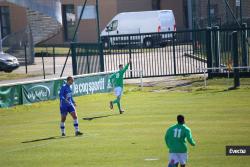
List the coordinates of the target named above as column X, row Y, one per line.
column 37, row 69
column 153, row 62
column 157, row 62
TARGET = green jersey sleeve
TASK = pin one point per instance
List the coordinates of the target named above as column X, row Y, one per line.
column 125, row 68
column 167, row 139
column 189, row 137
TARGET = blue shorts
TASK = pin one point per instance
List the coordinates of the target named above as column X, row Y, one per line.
column 67, row 109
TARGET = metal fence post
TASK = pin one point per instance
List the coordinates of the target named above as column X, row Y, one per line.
column 244, row 45
column 100, row 46
column 130, row 55
column 209, row 50
column 54, row 60
column 235, row 59
column 25, row 56
column 216, row 41
column 43, row 65
column 87, row 56
column 74, row 62
column 174, row 58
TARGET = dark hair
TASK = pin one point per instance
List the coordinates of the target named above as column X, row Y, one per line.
column 120, row 65
column 180, row 119
column 69, row 78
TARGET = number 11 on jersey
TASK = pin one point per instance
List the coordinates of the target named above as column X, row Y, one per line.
column 177, row 133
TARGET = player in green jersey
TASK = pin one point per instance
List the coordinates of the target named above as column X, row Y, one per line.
column 117, row 81
column 175, row 139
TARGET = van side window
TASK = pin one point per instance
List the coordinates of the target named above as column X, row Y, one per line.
column 113, row 26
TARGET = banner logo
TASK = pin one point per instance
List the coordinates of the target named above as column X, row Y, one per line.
column 38, row 92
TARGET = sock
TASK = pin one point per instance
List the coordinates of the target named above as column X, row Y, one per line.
column 117, row 101
column 76, row 125
column 119, row 105
column 62, row 126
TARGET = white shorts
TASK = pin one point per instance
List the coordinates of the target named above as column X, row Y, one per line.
column 118, row 91
column 178, row 158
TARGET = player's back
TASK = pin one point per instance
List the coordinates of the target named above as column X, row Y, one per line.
column 117, row 78
column 176, row 138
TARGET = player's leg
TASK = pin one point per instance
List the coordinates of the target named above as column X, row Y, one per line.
column 118, row 94
column 119, row 104
column 63, row 119
column 173, row 160
column 183, row 159
column 75, row 119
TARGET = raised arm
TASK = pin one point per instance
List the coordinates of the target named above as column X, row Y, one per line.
column 126, row 67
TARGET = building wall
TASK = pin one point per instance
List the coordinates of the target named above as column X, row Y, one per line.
column 132, row 5
column 108, row 9
column 245, row 8
column 18, row 19
column 177, row 8
column 87, row 31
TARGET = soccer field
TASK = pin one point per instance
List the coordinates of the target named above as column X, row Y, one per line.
column 30, row 134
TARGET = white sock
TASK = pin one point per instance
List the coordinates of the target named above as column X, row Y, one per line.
column 76, row 125
column 62, row 126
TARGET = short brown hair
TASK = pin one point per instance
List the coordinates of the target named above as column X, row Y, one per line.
column 69, row 78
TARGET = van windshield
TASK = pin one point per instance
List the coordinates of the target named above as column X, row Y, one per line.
column 113, row 26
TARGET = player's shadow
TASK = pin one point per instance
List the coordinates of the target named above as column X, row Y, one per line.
column 98, row 117
column 44, row 139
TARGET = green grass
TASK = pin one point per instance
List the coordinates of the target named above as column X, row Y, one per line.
column 10, row 76
column 217, row 118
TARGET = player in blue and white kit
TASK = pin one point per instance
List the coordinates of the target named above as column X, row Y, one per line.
column 67, row 105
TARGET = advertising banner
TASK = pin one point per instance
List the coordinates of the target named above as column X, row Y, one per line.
column 38, row 92
column 91, row 85
column 48, row 90
column 10, row 96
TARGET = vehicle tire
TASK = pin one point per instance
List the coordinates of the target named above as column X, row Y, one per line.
column 148, row 43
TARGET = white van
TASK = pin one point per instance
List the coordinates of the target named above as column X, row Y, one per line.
column 139, row 22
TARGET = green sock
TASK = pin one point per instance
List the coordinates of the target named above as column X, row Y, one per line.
column 117, row 101
column 119, row 106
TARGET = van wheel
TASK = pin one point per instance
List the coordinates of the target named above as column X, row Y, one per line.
column 148, row 43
